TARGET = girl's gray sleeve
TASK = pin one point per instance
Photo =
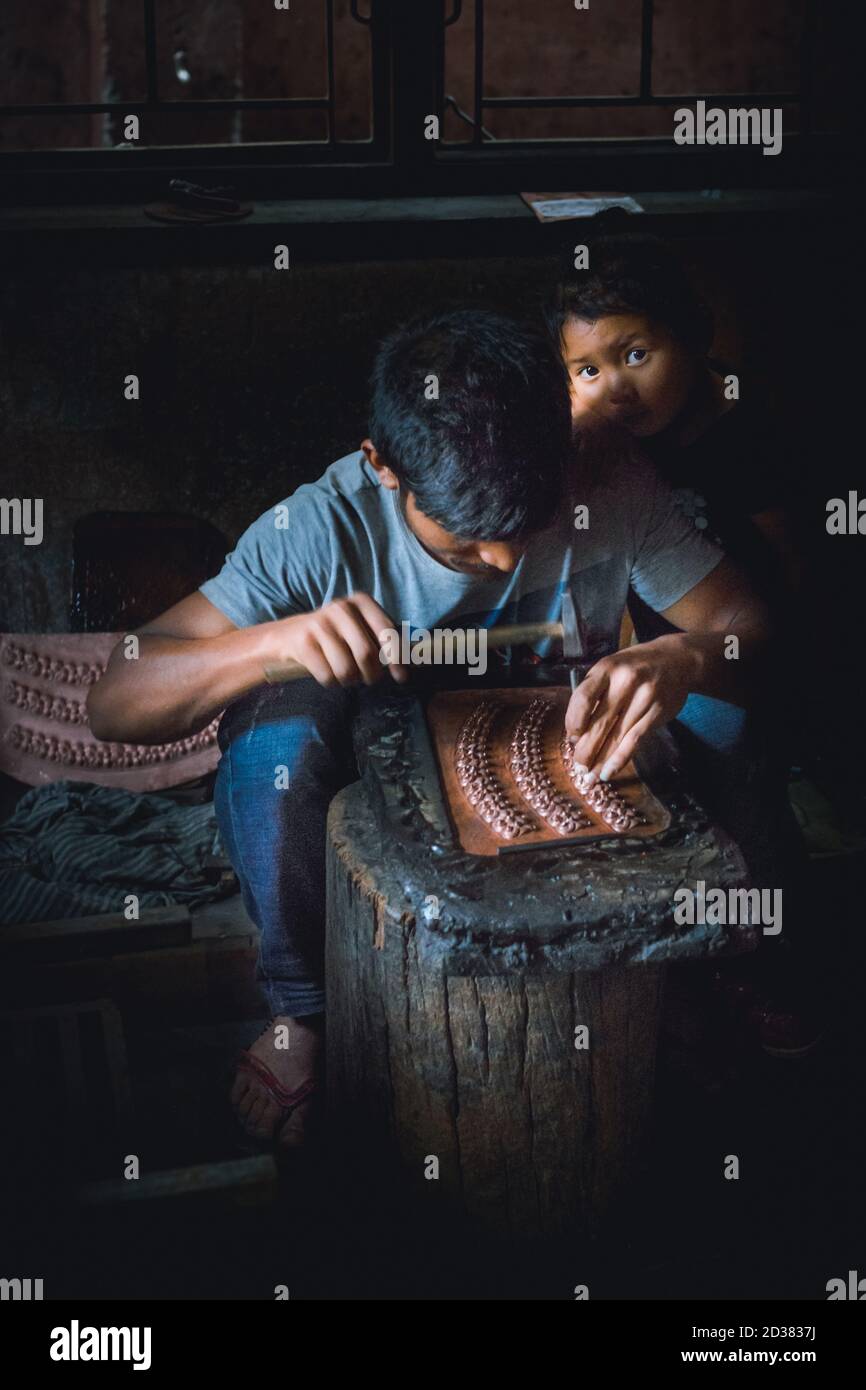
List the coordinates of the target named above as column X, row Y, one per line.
column 671, row 555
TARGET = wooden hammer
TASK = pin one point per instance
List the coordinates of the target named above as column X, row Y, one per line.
column 506, row 635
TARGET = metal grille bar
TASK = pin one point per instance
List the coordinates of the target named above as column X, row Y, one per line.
column 150, row 51
column 646, row 48
column 714, row 98
column 478, row 134
column 329, row 43
column 95, row 108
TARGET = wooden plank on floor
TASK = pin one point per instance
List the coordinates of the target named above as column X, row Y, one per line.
column 245, row 1178
column 104, row 934
column 203, row 980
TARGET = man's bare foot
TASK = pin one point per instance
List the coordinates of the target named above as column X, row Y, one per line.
column 289, row 1048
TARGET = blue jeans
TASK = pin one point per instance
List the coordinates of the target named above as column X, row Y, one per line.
column 286, row 751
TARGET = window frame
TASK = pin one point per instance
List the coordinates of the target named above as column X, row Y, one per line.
column 407, row 77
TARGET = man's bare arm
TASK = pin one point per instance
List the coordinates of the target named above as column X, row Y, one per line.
column 193, row 662
column 722, row 605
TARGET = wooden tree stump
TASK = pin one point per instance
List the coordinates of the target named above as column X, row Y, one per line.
column 456, row 985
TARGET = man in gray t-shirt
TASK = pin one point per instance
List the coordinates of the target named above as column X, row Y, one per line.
column 467, row 506
column 347, row 533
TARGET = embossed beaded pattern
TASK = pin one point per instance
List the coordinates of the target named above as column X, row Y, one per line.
column 41, row 690
column 613, row 809
column 479, row 782
column 536, row 786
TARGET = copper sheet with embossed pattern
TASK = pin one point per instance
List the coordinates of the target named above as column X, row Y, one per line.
column 447, row 713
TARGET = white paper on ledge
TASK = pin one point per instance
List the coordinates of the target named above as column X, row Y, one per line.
column 555, row 209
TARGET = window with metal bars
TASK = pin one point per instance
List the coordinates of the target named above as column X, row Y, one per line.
column 308, row 79
column 335, row 95
column 617, row 70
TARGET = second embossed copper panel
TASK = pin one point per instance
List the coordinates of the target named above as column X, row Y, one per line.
column 44, row 731
column 508, row 783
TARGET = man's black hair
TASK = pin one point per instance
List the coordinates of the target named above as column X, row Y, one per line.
column 631, row 275
column 485, row 457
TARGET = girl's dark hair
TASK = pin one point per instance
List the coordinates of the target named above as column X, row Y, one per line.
column 470, row 410
column 631, row 274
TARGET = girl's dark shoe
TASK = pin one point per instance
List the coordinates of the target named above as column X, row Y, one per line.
column 784, row 1023
column 785, row 1028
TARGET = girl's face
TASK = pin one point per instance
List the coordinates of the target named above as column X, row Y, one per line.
column 626, row 369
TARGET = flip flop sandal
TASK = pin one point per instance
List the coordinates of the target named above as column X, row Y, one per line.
column 288, row 1101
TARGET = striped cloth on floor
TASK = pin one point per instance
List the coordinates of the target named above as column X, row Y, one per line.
column 71, row 849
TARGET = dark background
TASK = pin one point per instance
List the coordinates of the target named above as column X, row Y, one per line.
column 254, row 380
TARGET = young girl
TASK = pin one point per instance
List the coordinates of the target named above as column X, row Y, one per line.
column 635, row 338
